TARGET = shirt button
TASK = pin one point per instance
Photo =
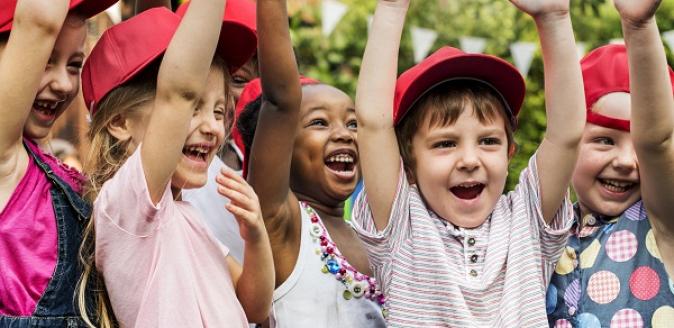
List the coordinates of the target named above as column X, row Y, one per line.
column 590, row 220
column 471, row 241
column 473, row 258
column 473, row 273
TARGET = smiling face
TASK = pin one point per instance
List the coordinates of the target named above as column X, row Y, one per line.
column 207, row 132
column 455, row 144
column 606, row 177
column 61, row 79
column 325, row 155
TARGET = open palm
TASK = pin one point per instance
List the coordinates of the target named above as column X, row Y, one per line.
column 539, row 7
column 637, row 11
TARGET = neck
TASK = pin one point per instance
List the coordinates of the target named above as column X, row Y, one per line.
column 324, row 210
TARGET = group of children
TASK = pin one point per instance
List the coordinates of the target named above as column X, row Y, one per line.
column 160, row 232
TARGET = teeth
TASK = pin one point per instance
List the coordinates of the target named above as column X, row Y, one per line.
column 198, row 149
column 616, row 186
column 469, row 185
column 46, row 104
column 341, row 158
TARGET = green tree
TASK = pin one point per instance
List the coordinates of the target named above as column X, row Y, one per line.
column 336, row 59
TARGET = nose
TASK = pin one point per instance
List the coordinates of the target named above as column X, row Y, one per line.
column 340, row 133
column 626, row 160
column 210, row 126
column 468, row 160
column 60, row 81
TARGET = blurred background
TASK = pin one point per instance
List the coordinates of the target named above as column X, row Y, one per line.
column 330, row 35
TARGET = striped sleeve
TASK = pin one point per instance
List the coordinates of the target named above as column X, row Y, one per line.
column 383, row 245
column 552, row 236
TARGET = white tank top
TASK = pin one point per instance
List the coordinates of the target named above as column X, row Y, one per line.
column 324, row 291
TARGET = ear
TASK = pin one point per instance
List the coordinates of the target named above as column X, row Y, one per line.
column 119, row 128
column 512, row 151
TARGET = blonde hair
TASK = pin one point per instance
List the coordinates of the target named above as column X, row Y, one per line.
column 106, row 155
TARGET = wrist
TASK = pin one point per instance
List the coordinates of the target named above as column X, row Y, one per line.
column 634, row 24
column 551, row 18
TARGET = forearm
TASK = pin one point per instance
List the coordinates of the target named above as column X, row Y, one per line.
column 378, row 72
column 278, row 68
column 256, row 284
column 652, row 118
column 564, row 95
column 188, row 58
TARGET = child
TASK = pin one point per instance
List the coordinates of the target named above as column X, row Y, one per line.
column 303, row 164
column 448, row 248
column 161, row 266
column 614, row 269
column 239, row 17
column 42, row 213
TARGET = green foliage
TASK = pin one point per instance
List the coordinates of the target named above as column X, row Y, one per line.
column 336, row 59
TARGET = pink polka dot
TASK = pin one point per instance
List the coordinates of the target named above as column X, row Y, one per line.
column 621, row 246
column 644, row 283
column 603, row 287
column 627, row 318
column 563, row 323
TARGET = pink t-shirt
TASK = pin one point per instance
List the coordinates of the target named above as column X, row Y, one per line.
column 28, row 249
column 161, row 265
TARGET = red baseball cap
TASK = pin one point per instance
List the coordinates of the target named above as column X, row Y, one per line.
column 239, row 25
column 250, row 93
column 86, row 8
column 453, row 64
column 126, row 49
column 606, row 70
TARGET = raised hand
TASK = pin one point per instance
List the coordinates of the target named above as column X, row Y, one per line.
column 542, row 7
column 636, row 12
column 395, row 3
column 244, row 204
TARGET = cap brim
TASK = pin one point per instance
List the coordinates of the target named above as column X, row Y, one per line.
column 496, row 72
column 237, row 45
column 86, row 8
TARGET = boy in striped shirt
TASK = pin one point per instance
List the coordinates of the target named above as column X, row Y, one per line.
column 447, row 247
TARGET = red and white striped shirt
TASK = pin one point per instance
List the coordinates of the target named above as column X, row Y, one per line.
column 436, row 275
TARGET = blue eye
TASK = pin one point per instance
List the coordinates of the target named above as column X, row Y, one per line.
column 604, row 141
column 318, row 122
column 352, row 125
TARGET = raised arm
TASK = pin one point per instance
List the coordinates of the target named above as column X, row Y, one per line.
column 652, row 121
column 270, row 156
column 377, row 144
column 35, row 27
column 564, row 100
column 182, row 76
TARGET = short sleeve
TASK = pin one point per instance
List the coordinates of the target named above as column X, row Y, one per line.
column 125, row 200
column 552, row 236
column 382, row 245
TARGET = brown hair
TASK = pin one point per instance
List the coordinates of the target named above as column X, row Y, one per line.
column 106, row 155
column 443, row 105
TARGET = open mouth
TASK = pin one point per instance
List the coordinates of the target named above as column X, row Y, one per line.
column 46, row 109
column 616, row 186
column 197, row 153
column 468, row 190
column 342, row 162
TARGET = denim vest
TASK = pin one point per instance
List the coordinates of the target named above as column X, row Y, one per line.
column 56, row 307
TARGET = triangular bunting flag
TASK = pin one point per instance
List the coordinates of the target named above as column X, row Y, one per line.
column 669, row 39
column 422, row 41
column 523, row 54
column 616, row 41
column 472, row 45
column 333, row 11
column 115, row 13
column 581, row 48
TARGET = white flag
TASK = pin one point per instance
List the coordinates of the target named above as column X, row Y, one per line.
column 581, row 48
column 669, row 39
column 333, row 11
column 616, row 41
column 115, row 13
column 523, row 54
column 422, row 41
column 472, row 45
column 370, row 18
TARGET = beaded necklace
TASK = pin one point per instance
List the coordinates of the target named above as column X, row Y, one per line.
column 357, row 284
